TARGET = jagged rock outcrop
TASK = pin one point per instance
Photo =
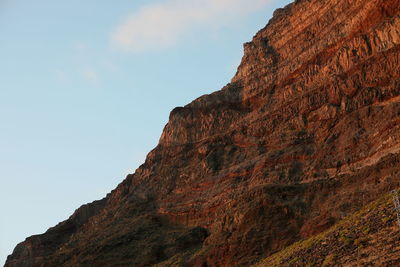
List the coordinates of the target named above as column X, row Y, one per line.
column 306, row 133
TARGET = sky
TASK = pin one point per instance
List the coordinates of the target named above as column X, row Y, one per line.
column 86, row 88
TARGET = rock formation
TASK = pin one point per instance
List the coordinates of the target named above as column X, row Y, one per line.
column 306, row 133
column 369, row 237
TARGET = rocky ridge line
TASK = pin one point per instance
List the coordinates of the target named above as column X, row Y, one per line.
column 306, row 133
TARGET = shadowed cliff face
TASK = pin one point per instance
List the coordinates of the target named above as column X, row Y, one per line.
column 306, row 133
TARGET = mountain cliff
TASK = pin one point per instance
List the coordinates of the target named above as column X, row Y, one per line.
column 305, row 134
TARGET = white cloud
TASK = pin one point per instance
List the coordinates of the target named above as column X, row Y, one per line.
column 90, row 75
column 160, row 25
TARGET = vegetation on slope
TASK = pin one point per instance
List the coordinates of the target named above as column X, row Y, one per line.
column 369, row 237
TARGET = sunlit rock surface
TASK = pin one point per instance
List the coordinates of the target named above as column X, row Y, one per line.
column 306, row 133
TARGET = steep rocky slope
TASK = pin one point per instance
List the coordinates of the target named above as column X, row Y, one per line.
column 306, row 133
column 370, row 237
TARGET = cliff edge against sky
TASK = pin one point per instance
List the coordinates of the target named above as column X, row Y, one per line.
column 306, row 134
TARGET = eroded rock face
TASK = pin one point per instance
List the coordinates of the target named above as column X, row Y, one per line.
column 306, row 133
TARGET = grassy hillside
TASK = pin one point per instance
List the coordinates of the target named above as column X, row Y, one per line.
column 369, row 237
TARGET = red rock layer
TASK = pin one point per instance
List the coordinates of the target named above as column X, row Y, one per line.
column 305, row 134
